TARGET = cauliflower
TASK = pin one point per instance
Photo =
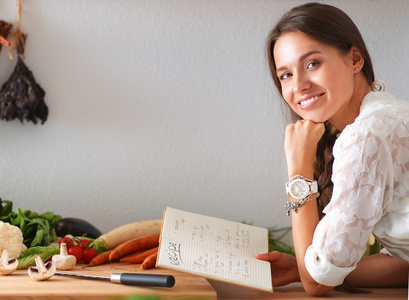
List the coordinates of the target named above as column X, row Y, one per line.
column 11, row 239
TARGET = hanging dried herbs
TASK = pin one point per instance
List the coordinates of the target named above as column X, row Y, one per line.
column 21, row 96
column 4, row 33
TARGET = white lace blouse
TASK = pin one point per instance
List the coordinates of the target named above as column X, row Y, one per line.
column 371, row 191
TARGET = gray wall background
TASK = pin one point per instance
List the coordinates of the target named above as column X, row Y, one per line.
column 164, row 103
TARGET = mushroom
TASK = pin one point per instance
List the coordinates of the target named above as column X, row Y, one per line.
column 7, row 265
column 41, row 271
column 64, row 261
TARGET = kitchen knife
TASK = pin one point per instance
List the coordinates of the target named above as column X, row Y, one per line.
column 130, row 278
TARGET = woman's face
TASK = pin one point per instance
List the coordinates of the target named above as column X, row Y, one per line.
column 316, row 78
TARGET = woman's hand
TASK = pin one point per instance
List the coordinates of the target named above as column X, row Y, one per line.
column 301, row 140
column 283, row 267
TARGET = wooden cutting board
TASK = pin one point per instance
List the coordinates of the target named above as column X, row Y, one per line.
column 19, row 285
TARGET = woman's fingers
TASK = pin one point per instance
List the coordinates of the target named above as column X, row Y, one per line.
column 284, row 268
column 301, row 140
column 305, row 132
column 271, row 256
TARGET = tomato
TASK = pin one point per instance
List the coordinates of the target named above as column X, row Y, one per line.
column 88, row 254
column 76, row 251
column 84, row 244
column 67, row 240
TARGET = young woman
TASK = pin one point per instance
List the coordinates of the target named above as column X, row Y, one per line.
column 347, row 156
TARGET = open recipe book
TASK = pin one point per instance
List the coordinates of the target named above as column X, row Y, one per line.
column 214, row 248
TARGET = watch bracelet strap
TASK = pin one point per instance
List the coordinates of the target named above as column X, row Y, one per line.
column 294, row 205
column 314, row 186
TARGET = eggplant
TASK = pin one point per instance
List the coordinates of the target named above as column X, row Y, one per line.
column 76, row 227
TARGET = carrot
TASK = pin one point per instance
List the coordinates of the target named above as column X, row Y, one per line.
column 140, row 243
column 133, row 254
column 150, row 261
column 125, row 233
column 138, row 257
column 100, row 259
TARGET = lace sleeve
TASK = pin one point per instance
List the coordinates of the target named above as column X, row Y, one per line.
column 360, row 176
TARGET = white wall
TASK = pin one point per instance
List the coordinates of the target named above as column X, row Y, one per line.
column 163, row 103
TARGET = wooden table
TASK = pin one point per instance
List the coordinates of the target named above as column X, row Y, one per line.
column 295, row 291
column 19, row 285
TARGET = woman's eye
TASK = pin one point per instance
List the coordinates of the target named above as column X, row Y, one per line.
column 313, row 64
column 285, row 76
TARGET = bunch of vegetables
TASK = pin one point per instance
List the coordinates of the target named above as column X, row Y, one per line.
column 28, row 257
column 140, row 238
column 26, row 238
column 79, row 247
column 29, row 235
column 37, row 229
column 125, row 233
column 131, row 243
column 141, row 250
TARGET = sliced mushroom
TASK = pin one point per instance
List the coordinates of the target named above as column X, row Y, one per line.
column 7, row 265
column 41, row 271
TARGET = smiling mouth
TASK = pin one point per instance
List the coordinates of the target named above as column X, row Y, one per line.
column 309, row 101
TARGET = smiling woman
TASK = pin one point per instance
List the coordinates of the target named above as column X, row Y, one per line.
column 351, row 140
column 317, row 81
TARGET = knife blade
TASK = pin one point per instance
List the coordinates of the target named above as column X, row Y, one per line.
column 129, row 278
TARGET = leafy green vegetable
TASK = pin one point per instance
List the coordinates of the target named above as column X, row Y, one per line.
column 275, row 243
column 28, row 256
column 38, row 230
column 99, row 246
column 6, row 211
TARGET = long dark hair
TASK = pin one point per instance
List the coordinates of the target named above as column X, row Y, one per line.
column 331, row 26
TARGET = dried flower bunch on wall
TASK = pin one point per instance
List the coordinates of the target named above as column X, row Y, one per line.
column 21, row 96
column 4, row 32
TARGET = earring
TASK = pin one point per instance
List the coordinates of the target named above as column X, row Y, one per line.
column 356, row 69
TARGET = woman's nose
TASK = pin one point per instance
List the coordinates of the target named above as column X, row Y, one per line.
column 301, row 83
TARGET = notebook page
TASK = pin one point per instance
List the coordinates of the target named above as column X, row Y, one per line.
column 214, row 232
column 211, row 263
column 214, row 248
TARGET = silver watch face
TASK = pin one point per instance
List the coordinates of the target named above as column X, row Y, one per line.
column 299, row 189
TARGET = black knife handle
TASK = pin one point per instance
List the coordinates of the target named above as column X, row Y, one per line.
column 143, row 279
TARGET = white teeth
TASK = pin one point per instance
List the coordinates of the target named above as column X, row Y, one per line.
column 305, row 102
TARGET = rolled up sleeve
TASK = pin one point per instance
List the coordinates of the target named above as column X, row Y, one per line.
column 322, row 270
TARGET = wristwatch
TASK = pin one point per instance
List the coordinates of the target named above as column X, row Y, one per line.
column 299, row 188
